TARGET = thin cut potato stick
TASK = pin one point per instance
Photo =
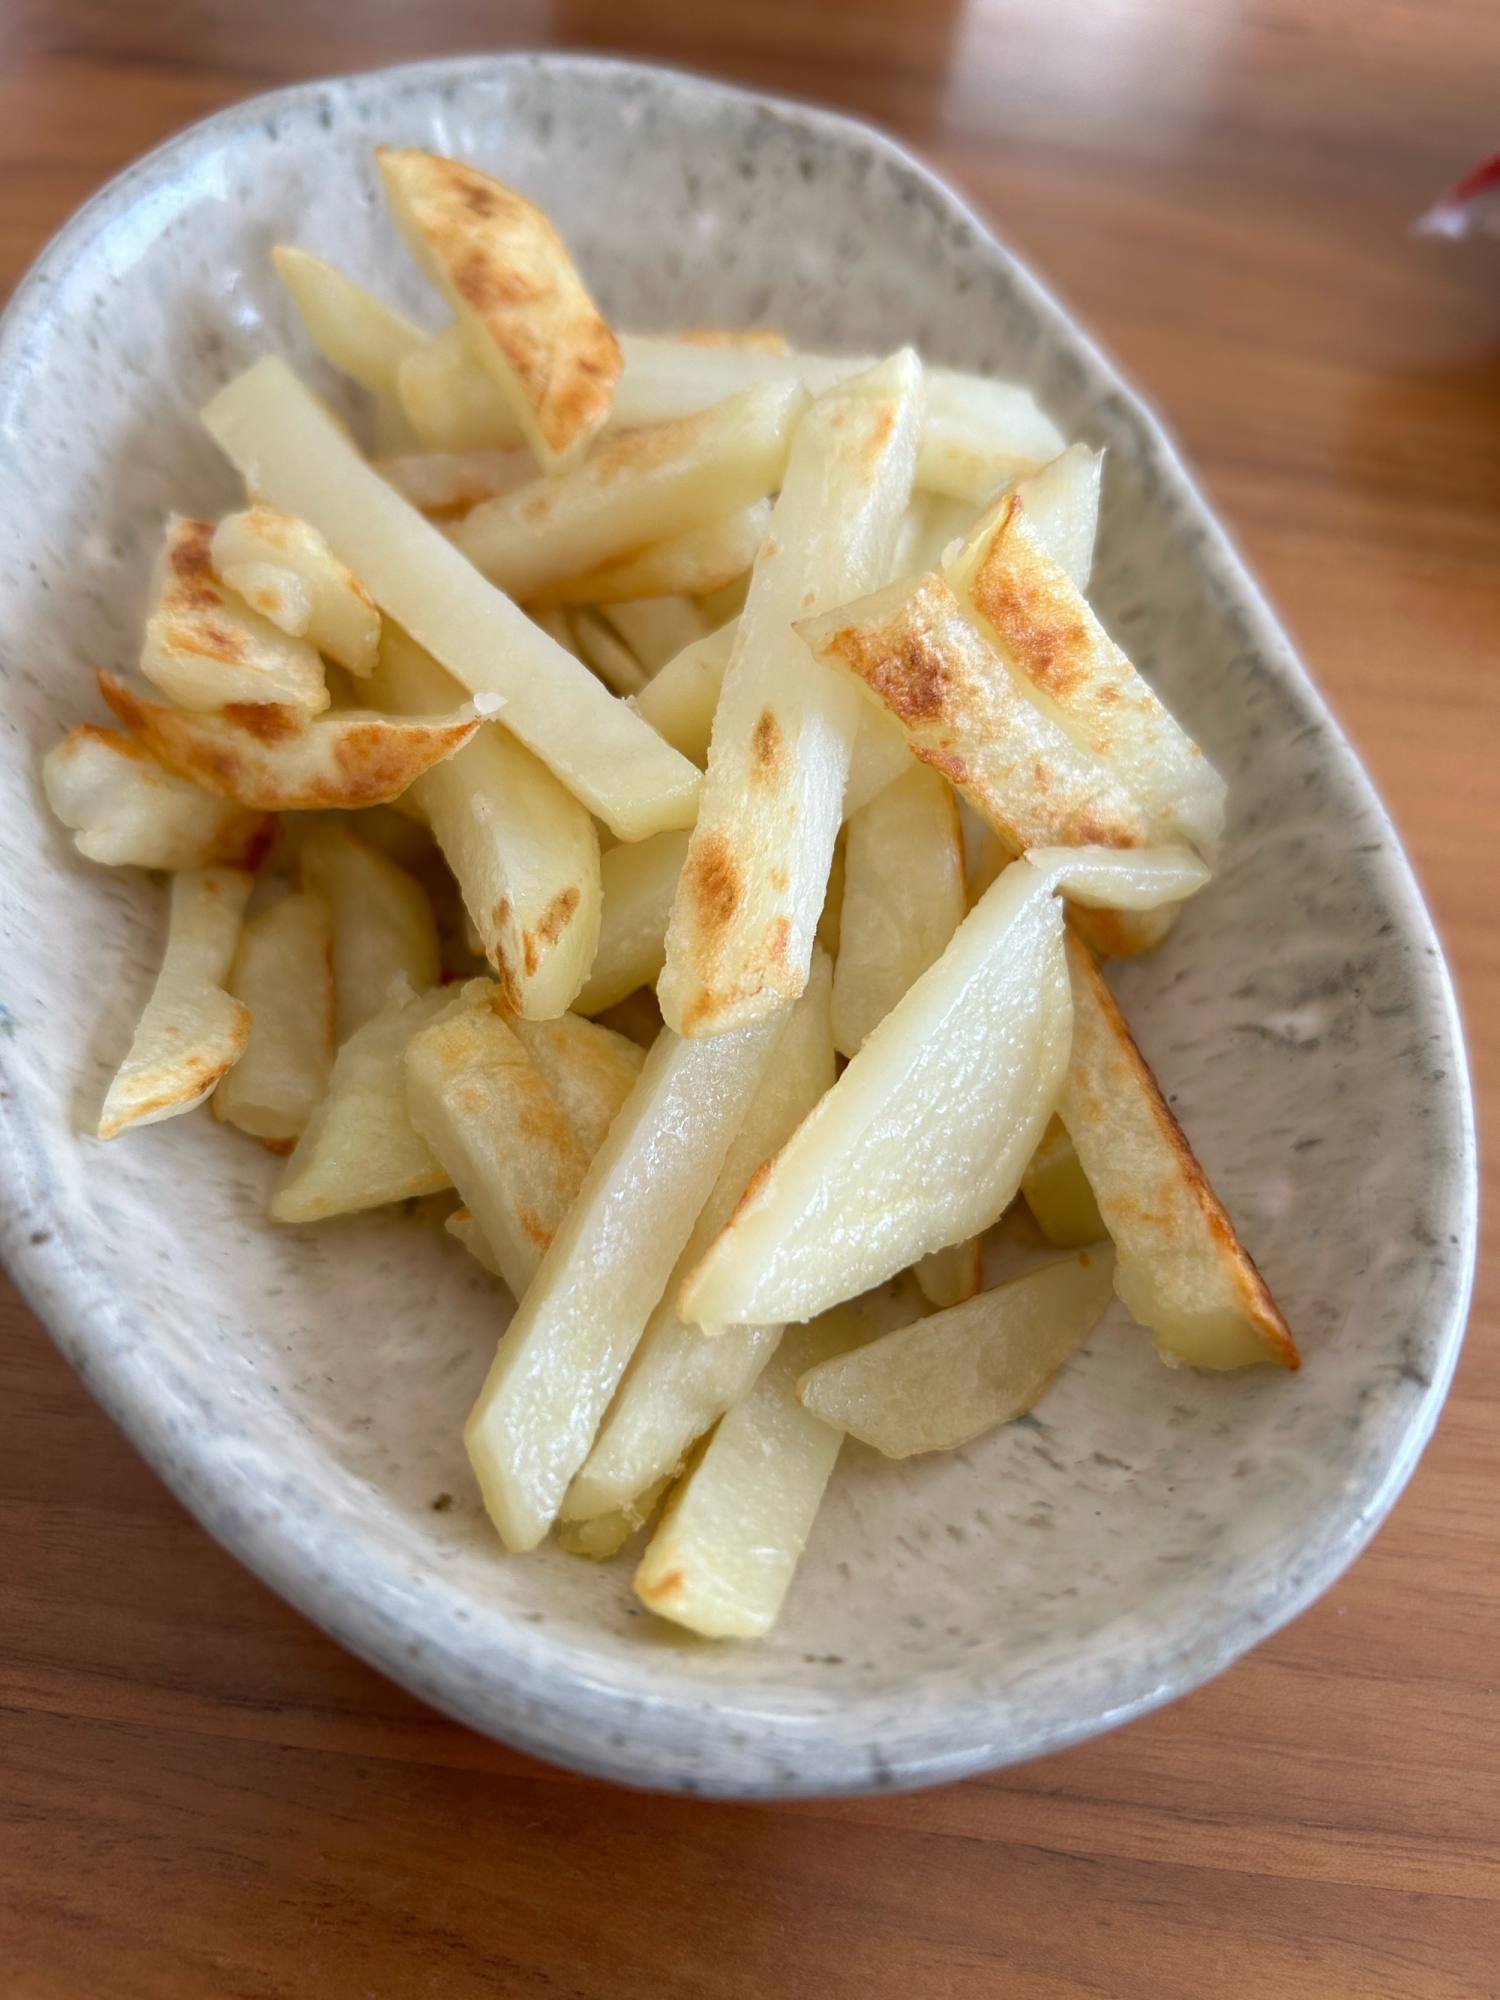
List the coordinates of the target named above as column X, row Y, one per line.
column 639, row 882
column 1182, row 1269
column 979, row 434
column 752, row 889
column 451, row 482
column 452, row 404
column 192, row 1030
column 563, row 1355
column 292, row 451
column 605, row 651
column 657, row 628
column 127, row 810
column 383, row 926
column 590, row 1070
column 680, row 700
column 283, row 973
column 695, row 563
column 348, row 325
column 949, row 1276
column 604, row 1535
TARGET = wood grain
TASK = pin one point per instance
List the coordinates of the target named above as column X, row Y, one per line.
column 200, row 1796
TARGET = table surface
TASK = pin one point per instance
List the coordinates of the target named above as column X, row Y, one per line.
column 201, row 1796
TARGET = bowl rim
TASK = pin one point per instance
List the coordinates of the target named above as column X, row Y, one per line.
column 523, row 1709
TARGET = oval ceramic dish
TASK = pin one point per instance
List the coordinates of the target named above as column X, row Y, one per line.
column 302, row 1391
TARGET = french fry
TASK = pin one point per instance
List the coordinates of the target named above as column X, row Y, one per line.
column 282, row 972
column 525, row 312
column 639, row 883
column 923, row 1139
column 286, row 571
column 696, row 563
column 523, row 850
column 947, row 1277
column 753, row 885
column 1182, row 1270
column 452, row 404
column 291, row 451
column 1106, row 879
column 590, row 1071
column 1034, row 615
column 347, row 324
column 936, row 1384
column 636, row 489
column 732, row 1532
column 979, row 434
column 933, row 522
column 475, row 1097
column 358, row 1150
column 192, row 1031
column 604, row 1535
column 666, row 376
column 601, row 646
column 656, row 628
column 680, row 1381
column 904, row 897
column 206, row 647
column 679, row 701
column 577, row 1327
column 127, row 811
column 451, row 482
column 263, row 758
column 1062, row 510
column 1058, row 1193
column 383, row 926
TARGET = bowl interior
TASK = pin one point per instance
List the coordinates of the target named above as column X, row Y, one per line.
column 303, row 1390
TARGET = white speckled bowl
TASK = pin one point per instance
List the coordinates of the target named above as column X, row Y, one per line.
column 302, row 1392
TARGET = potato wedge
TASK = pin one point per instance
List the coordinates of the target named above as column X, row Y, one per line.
column 948, row 1277
column 523, row 850
column 383, row 927
column 577, row 1327
column 640, row 881
column 680, row 1381
column 695, row 563
column 656, row 628
column 1033, row 614
column 601, row 647
column 923, row 1139
column 753, row 885
column 1182, row 1270
column 979, row 434
column 451, row 482
column 286, row 571
column 126, row 810
column 205, row 647
column 475, row 1097
column 192, row 1031
column 733, row 1531
column 1058, row 1194
column 264, row 759
column 636, row 489
column 284, row 974
column 904, row 896
column 590, row 1071
column 1062, row 510
column 359, row 1150
column 292, row 452
column 452, row 404
column 525, row 311
column 679, row 701
column 348, row 325
column 936, row 1384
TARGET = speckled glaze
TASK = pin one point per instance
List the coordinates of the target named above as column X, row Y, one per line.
column 302, row 1391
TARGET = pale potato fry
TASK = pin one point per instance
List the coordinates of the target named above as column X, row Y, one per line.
column 949, row 1276
column 880, row 756
column 936, row 1384
column 263, row 758
column 680, row 700
column 604, row 1535
column 696, row 563
column 719, row 606
column 1033, row 614
column 923, row 1139
column 636, row 489
column 522, row 849
column 680, row 1381
column 503, row 268
column 1123, row 933
column 577, row 1327
column 205, row 647
column 475, row 1097
column 383, row 926
column 657, row 628
column 126, row 810
column 358, row 1149
column 639, row 883
column 606, row 652
column 451, row 404
column 451, row 482
column 286, row 571
column 291, row 451
column 589, row 1069
column 904, row 897
column 979, row 434
column 1121, row 879
column 192, row 1031
column 1182, row 1270
column 1062, row 509
column 933, row 522
column 753, row 885
column 730, row 1537
column 666, row 376
column 1058, row 1194
column 348, row 325
column 283, row 973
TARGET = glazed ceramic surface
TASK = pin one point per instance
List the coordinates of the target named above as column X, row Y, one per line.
column 303, row 1390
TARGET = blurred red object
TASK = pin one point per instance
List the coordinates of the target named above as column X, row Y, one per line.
column 1473, row 205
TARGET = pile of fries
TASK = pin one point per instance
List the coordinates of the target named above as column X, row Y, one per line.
column 675, row 795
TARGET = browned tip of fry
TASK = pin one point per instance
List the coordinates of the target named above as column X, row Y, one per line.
column 758, row 339
column 496, row 253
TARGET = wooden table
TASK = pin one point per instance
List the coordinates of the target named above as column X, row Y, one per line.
column 200, row 1796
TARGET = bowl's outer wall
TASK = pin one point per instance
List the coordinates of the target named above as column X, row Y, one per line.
column 302, row 1390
